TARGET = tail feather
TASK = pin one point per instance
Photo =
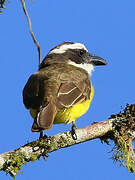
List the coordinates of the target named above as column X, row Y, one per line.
column 45, row 118
column 35, row 127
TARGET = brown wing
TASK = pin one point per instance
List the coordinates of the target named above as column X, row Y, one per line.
column 31, row 93
column 73, row 93
column 34, row 98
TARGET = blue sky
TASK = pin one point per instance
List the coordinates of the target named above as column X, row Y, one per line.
column 107, row 28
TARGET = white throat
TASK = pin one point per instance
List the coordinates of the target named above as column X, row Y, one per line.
column 87, row 67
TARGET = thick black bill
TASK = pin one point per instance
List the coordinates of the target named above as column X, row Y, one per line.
column 96, row 60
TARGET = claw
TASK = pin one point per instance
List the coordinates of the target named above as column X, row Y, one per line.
column 74, row 136
column 45, row 136
column 41, row 135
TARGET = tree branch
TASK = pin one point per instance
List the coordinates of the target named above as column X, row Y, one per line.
column 30, row 29
column 34, row 150
column 119, row 127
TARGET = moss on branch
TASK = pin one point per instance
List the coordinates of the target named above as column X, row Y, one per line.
column 120, row 128
column 123, row 134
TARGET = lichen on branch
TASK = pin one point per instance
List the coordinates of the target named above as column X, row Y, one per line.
column 120, row 128
column 123, row 136
column 12, row 162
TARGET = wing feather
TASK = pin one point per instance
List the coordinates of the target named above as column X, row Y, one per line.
column 72, row 93
column 34, row 98
column 31, row 97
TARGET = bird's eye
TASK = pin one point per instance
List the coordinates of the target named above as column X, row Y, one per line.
column 81, row 52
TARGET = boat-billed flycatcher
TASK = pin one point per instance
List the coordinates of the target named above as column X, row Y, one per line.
column 61, row 91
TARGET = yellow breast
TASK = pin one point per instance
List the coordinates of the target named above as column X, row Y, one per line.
column 71, row 114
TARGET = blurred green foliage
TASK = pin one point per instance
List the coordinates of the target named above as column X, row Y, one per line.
column 2, row 5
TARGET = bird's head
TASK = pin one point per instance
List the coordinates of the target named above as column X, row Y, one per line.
column 75, row 54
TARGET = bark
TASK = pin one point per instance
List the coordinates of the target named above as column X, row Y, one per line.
column 119, row 127
column 12, row 161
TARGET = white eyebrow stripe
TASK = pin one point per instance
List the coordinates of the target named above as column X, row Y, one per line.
column 65, row 47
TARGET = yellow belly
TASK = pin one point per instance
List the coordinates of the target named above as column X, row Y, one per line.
column 71, row 114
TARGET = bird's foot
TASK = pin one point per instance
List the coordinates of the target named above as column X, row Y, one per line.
column 41, row 135
column 74, row 135
column 45, row 136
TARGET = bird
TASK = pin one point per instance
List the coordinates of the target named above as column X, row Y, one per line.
column 61, row 90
